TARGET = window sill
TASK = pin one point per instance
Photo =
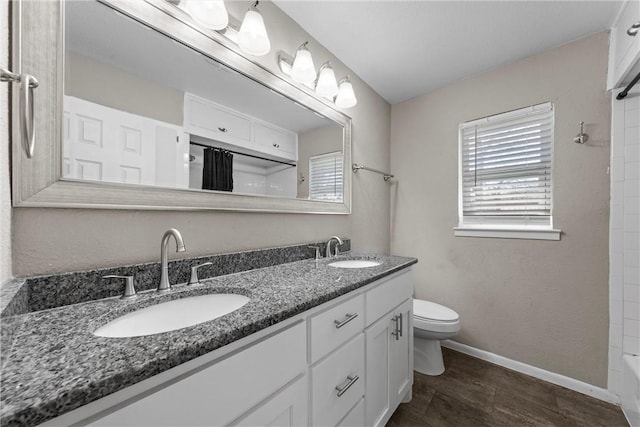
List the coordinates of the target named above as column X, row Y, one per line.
column 508, row 233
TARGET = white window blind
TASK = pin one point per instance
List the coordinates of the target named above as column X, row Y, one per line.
column 505, row 168
column 326, row 177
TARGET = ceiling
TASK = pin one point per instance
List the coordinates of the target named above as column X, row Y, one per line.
column 403, row 49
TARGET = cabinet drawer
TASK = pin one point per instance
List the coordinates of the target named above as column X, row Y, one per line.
column 388, row 295
column 216, row 122
column 341, row 373
column 355, row 418
column 220, row 393
column 276, row 141
column 336, row 326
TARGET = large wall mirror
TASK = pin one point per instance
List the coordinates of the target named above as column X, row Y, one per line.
column 157, row 112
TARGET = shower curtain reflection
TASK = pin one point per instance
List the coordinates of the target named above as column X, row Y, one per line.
column 217, row 173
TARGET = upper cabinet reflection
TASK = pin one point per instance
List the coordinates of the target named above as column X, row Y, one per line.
column 145, row 109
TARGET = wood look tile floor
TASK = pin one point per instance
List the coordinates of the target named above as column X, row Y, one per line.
column 475, row 393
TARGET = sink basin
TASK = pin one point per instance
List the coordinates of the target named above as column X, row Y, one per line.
column 172, row 315
column 354, row 263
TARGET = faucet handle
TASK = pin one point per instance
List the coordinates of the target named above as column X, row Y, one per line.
column 336, row 252
column 194, row 273
column 129, row 289
column 317, row 248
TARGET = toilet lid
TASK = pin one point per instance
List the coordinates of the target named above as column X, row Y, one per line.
column 431, row 311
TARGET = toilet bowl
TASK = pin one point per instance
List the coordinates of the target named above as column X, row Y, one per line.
column 431, row 323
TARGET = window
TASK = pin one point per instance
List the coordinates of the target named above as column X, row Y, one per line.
column 505, row 178
column 325, row 177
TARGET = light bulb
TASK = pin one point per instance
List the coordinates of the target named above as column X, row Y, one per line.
column 303, row 70
column 327, row 85
column 210, row 14
column 252, row 37
column 346, row 97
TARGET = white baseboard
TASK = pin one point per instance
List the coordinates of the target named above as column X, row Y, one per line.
column 561, row 380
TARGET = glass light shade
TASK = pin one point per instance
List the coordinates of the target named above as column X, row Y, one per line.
column 252, row 37
column 210, row 14
column 327, row 85
column 346, row 97
column 303, row 69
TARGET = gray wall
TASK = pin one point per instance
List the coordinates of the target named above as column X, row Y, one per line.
column 85, row 78
column 55, row 240
column 323, row 140
column 5, row 186
column 544, row 303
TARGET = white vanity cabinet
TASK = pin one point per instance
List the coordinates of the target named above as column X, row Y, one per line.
column 246, row 385
column 624, row 51
column 347, row 362
column 389, row 349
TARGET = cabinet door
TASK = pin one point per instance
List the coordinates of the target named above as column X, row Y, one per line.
column 277, row 142
column 389, row 367
column 287, row 408
column 401, row 349
column 625, row 49
column 210, row 120
column 222, row 392
column 377, row 404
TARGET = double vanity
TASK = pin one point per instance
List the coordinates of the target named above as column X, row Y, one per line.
column 310, row 342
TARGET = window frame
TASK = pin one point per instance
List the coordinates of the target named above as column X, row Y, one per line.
column 524, row 227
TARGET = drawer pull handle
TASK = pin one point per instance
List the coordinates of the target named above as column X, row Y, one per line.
column 350, row 381
column 222, row 129
column 397, row 320
column 633, row 30
column 276, row 145
column 349, row 318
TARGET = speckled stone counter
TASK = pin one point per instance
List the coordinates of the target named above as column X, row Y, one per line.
column 52, row 363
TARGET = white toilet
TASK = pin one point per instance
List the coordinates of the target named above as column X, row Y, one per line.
column 431, row 323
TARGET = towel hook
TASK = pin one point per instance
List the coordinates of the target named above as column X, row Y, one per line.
column 582, row 137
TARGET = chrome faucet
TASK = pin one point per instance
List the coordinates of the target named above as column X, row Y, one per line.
column 328, row 251
column 164, row 285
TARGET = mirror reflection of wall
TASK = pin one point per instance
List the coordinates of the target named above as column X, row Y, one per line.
column 141, row 108
column 313, row 143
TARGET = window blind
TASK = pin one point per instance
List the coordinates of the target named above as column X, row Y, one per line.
column 506, row 167
column 326, row 177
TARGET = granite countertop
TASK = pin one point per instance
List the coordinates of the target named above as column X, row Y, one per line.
column 52, row 363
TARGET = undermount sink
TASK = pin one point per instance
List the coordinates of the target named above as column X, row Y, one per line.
column 354, row 263
column 172, row 315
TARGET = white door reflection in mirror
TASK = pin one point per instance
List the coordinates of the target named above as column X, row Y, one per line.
column 105, row 144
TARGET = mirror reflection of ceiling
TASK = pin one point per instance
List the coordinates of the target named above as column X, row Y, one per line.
column 98, row 32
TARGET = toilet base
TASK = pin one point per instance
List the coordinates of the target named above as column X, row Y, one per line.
column 427, row 356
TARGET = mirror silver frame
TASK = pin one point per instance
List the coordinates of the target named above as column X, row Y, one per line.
column 38, row 49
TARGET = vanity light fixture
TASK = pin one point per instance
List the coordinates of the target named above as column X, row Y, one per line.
column 303, row 70
column 326, row 86
column 210, row 14
column 346, row 98
column 252, row 37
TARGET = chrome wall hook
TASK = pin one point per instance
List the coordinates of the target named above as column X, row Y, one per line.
column 582, row 137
